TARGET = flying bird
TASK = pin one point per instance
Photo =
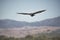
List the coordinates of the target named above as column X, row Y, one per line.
column 32, row 14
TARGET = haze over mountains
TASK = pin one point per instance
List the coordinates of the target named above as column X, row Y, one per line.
column 7, row 23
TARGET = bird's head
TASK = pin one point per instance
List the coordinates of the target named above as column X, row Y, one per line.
column 32, row 15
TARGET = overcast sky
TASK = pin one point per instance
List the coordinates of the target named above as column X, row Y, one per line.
column 10, row 8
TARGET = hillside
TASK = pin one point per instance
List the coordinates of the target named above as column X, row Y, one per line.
column 7, row 23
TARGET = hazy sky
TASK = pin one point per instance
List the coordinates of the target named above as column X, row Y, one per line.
column 10, row 8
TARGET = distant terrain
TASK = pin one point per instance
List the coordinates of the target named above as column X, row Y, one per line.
column 18, row 29
column 7, row 23
column 22, row 32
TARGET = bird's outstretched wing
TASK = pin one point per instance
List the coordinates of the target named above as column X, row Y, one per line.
column 32, row 14
column 24, row 13
column 39, row 11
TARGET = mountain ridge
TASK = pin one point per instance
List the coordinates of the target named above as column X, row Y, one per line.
column 8, row 23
